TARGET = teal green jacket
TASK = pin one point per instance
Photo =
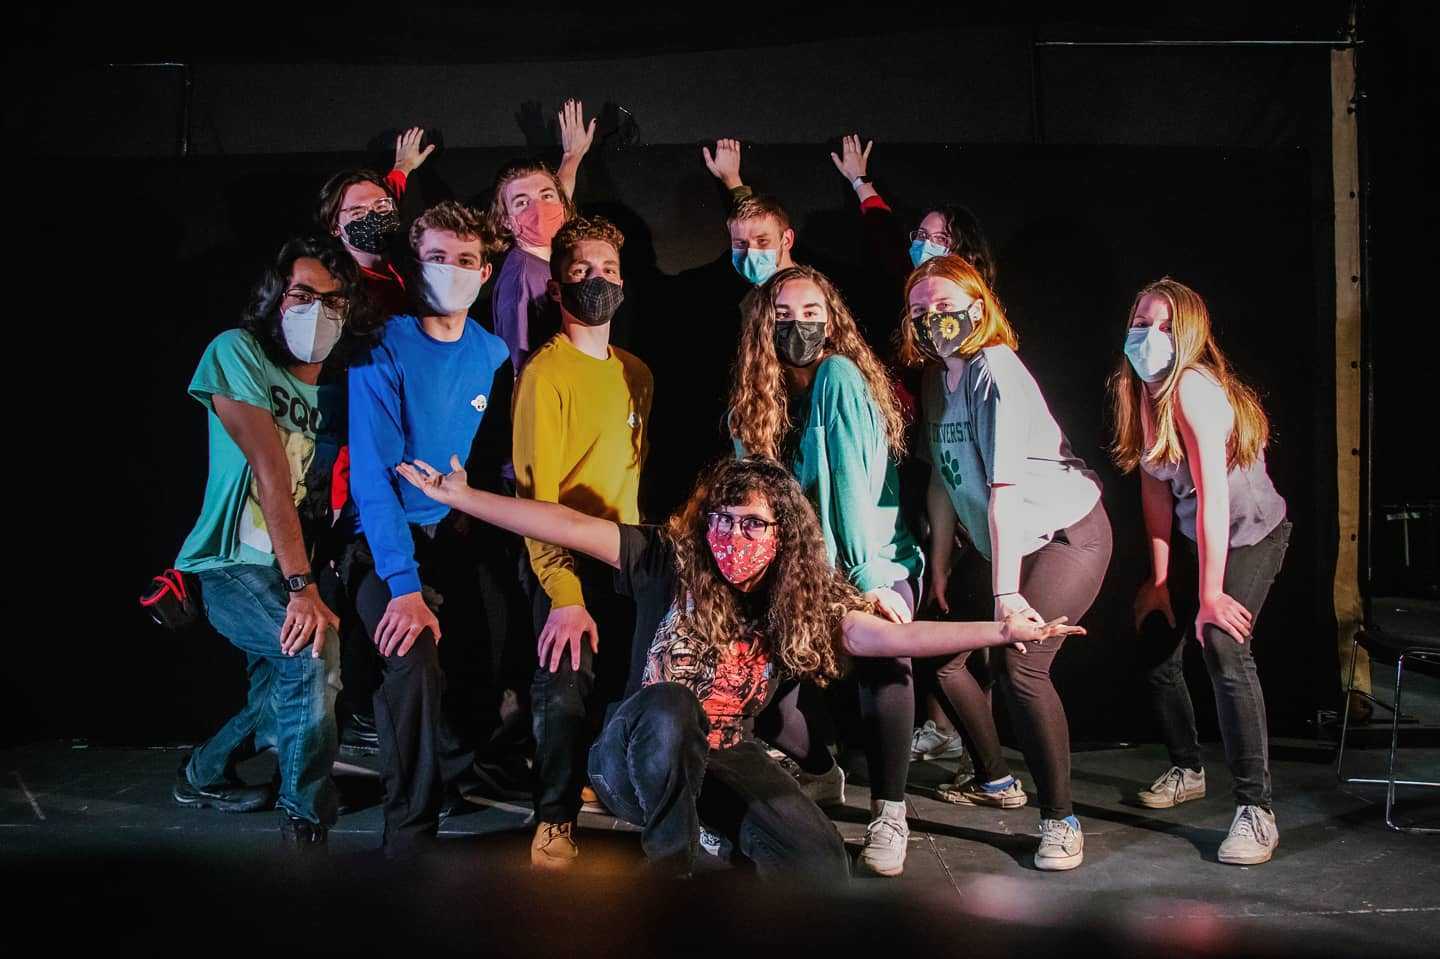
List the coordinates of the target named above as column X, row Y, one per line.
column 844, row 466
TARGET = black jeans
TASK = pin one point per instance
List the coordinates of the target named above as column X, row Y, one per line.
column 568, row 705
column 1062, row 578
column 652, row 767
column 419, row 754
column 1239, row 701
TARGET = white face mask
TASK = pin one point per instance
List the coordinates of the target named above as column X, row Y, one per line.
column 312, row 331
column 1151, row 351
column 450, row 289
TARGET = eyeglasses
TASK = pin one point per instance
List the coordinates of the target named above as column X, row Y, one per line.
column 752, row 527
column 920, row 236
column 337, row 302
column 382, row 205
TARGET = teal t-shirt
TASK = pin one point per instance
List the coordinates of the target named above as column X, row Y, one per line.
column 841, row 459
column 231, row 528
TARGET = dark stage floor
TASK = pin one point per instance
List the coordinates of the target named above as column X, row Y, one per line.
column 95, row 834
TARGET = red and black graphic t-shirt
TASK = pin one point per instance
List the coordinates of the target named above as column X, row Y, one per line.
column 734, row 683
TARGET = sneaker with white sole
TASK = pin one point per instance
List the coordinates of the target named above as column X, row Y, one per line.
column 1252, row 839
column 928, row 742
column 1062, row 845
column 887, row 838
column 1177, row 785
column 1008, row 794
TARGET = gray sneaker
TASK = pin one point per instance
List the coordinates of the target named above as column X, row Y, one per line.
column 1177, row 785
column 825, row 789
column 1062, row 846
column 886, row 839
column 973, row 793
column 1253, row 837
column 928, row 742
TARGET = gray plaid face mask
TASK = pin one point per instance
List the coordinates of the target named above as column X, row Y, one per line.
column 592, row 301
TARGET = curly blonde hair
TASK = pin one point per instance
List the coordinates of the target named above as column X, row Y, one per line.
column 808, row 599
column 759, row 407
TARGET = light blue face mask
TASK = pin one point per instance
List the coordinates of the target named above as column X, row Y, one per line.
column 922, row 250
column 1151, row 352
column 757, row 266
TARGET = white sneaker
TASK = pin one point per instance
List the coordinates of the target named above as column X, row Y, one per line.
column 886, row 839
column 1177, row 785
column 1062, row 846
column 928, row 742
column 825, row 789
column 1252, row 839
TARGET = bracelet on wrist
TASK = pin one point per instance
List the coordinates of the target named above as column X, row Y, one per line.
column 1013, row 592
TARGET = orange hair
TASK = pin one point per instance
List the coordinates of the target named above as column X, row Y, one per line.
column 993, row 328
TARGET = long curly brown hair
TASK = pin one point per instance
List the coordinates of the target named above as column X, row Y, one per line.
column 808, row 599
column 759, row 408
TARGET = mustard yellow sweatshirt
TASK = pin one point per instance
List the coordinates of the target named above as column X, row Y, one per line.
column 579, row 440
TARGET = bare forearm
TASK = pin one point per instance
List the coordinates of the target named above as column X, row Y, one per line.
column 568, row 171
column 1157, row 504
column 282, row 522
column 1005, row 549
column 941, row 513
column 545, row 522
column 1212, row 536
column 870, row 636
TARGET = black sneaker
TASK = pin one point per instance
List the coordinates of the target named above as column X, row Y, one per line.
column 225, row 797
column 302, row 835
column 454, row 804
column 359, row 737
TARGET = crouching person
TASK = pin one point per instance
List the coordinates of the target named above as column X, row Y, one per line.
column 274, row 390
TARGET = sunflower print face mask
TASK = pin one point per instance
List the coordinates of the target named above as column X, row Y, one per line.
column 938, row 335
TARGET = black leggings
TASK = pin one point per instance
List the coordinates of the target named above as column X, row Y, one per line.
column 799, row 725
column 1062, row 578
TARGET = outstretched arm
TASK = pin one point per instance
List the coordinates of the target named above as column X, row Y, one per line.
column 868, row 635
column 534, row 519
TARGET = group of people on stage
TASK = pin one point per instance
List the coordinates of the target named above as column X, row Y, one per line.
column 368, row 437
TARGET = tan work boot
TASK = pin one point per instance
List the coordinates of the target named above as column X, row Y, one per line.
column 1175, row 786
column 553, row 847
column 590, row 802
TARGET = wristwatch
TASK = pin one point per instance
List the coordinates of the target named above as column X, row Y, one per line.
column 293, row 584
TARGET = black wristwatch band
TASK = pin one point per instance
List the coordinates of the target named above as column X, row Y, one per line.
column 294, row 584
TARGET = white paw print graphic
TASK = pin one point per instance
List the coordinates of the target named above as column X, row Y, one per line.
column 479, row 403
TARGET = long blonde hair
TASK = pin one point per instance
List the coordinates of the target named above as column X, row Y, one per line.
column 759, row 407
column 1195, row 347
column 808, row 599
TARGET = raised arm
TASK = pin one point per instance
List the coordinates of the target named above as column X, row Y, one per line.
column 575, row 140
column 724, row 164
column 534, row 519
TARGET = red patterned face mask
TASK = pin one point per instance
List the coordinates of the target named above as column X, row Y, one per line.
column 738, row 558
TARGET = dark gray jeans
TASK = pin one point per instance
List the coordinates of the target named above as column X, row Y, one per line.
column 1239, row 701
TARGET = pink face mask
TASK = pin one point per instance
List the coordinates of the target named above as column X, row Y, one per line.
column 537, row 224
column 738, row 558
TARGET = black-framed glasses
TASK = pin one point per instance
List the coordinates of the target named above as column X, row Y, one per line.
column 920, row 236
column 380, row 205
column 336, row 302
column 751, row 527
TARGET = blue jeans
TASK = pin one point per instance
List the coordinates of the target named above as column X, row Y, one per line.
column 652, row 766
column 291, row 698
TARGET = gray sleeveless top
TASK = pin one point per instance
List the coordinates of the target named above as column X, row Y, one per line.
column 1255, row 507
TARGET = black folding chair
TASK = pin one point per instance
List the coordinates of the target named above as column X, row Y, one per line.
column 1404, row 630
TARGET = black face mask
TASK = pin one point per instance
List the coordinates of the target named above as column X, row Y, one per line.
column 938, row 335
column 592, row 301
column 798, row 342
column 369, row 233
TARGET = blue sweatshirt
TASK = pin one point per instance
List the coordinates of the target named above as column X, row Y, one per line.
column 415, row 397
